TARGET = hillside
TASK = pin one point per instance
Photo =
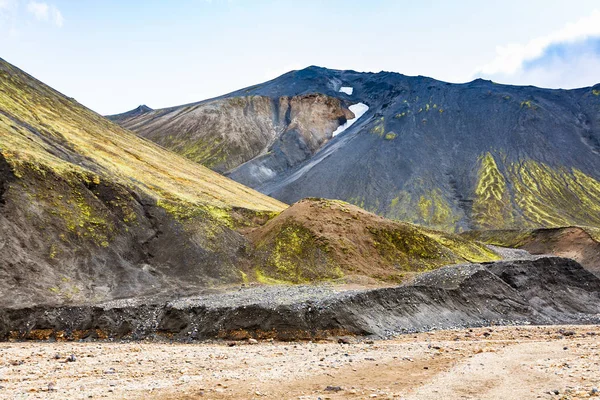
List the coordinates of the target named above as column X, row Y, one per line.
column 449, row 156
column 89, row 211
column 580, row 244
column 318, row 239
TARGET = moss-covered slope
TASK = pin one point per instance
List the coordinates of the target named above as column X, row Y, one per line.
column 89, row 211
column 318, row 239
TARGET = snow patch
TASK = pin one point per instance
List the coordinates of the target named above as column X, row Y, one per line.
column 261, row 173
column 359, row 109
column 347, row 89
column 266, row 172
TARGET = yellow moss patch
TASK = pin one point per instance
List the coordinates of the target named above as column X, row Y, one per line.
column 550, row 197
column 492, row 205
column 379, row 128
column 295, row 256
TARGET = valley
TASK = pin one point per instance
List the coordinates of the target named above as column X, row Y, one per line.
column 385, row 219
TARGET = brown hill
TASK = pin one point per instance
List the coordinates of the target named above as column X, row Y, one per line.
column 580, row 244
column 329, row 239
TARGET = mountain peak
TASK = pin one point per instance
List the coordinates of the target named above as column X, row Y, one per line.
column 136, row 112
column 143, row 108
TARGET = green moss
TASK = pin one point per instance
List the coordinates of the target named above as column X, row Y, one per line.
column 64, row 203
column 596, row 92
column 528, row 104
column 210, row 153
column 379, row 128
column 593, row 232
column 53, row 252
column 465, row 249
column 267, row 280
column 400, row 243
column 492, row 205
column 550, row 197
column 296, row 256
column 185, row 212
column 415, row 248
column 390, row 136
column 424, row 207
column 431, row 210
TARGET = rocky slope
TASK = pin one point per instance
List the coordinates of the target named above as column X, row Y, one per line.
column 580, row 244
column 225, row 133
column 450, row 156
column 90, row 212
column 542, row 291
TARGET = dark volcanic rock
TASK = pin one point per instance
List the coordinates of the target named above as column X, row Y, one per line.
column 451, row 156
column 542, row 291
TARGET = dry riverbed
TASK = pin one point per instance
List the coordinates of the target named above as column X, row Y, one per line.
column 557, row 362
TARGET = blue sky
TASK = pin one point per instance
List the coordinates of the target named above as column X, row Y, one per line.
column 114, row 55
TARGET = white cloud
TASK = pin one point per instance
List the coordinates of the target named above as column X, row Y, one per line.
column 8, row 10
column 57, row 17
column 564, row 65
column 39, row 10
column 45, row 12
column 511, row 57
column 7, row 4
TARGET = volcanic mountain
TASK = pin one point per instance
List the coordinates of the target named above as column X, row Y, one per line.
column 477, row 155
column 90, row 212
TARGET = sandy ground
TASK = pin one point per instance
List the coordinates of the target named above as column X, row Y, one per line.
column 490, row 363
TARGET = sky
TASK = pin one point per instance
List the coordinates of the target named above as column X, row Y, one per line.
column 113, row 55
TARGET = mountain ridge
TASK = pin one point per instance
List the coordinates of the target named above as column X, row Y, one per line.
column 448, row 156
column 236, row 93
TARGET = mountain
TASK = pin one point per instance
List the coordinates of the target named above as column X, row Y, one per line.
column 478, row 155
column 89, row 211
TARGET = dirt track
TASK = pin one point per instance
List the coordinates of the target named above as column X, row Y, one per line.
column 500, row 362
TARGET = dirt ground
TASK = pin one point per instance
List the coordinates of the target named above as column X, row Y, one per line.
column 486, row 363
